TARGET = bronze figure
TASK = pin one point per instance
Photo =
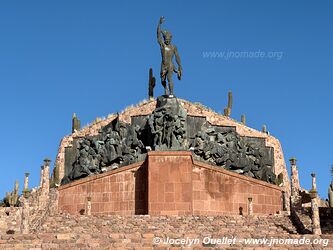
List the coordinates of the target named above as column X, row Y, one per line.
column 168, row 51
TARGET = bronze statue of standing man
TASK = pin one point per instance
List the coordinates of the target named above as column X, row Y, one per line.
column 168, row 51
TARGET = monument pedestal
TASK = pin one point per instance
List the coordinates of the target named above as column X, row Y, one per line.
column 169, row 183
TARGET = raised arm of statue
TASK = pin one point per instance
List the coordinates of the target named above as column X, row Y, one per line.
column 179, row 72
column 159, row 37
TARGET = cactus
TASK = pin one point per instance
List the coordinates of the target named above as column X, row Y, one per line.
column 243, row 119
column 7, row 198
column 13, row 196
column 227, row 110
column 264, row 129
column 76, row 124
column 151, row 84
column 97, row 120
column 55, row 177
column 330, row 195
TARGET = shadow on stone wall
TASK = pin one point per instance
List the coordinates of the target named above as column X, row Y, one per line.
column 141, row 190
column 326, row 219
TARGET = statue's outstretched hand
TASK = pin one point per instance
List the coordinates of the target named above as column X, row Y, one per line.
column 162, row 19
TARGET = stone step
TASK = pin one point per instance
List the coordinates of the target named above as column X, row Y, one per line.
column 178, row 224
column 147, row 241
column 140, row 232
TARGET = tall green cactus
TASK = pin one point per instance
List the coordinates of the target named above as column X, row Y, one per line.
column 243, row 119
column 55, row 177
column 151, row 84
column 264, row 129
column 76, row 123
column 13, row 196
column 227, row 110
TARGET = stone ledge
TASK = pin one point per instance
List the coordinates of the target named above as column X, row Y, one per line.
column 170, row 153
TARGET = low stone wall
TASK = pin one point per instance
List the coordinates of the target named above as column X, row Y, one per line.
column 217, row 191
column 122, row 191
column 170, row 183
column 10, row 220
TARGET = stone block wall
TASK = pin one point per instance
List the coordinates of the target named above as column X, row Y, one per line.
column 122, row 191
column 10, row 220
column 217, row 191
column 170, row 183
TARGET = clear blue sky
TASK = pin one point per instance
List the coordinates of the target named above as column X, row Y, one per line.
column 92, row 58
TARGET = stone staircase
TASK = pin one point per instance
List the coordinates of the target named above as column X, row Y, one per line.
column 140, row 232
column 302, row 221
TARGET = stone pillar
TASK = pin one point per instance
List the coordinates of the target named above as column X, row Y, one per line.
column 45, row 184
column 314, row 206
column 295, row 186
column 26, row 181
column 41, row 176
column 314, row 185
column 296, row 199
column 169, row 168
column 26, row 185
column 250, row 206
column 46, row 175
column 25, row 226
column 89, row 206
column 315, row 213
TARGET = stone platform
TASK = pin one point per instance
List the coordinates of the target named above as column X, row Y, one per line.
column 170, row 183
column 130, row 188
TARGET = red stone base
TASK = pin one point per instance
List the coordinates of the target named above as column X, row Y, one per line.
column 170, row 183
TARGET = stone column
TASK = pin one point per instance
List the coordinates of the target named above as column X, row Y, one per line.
column 88, row 205
column 26, row 181
column 45, row 184
column 295, row 186
column 26, row 185
column 314, row 206
column 46, row 175
column 250, row 206
column 314, row 185
column 315, row 213
column 41, row 176
column 25, row 225
column 296, row 199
